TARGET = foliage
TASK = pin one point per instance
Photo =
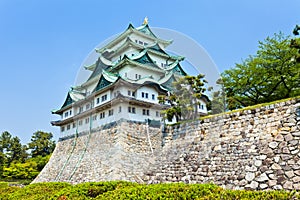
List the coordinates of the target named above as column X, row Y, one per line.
column 126, row 190
column 218, row 102
column 27, row 170
column 90, row 190
column 16, row 163
column 41, row 144
column 11, row 150
column 271, row 74
column 184, row 99
column 37, row 191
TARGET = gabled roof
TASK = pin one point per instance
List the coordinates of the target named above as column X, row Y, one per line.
column 142, row 60
column 105, row 80
column 68, row 101
column 143, row 31
column 168, row 81
column 176, row 68
column 155, row 46
column 100, row 65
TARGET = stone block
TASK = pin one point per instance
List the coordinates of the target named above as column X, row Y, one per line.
column 275, row 166
column 271, row 183
column 289, row 174
column 263, row 186
column 288, row 185
column 273, row 145
column 288, row 137
column 250, row 176
column 253, row 185
column 262, row 178
column 296, row 179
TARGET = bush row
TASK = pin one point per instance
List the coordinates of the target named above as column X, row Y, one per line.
column 127, row 190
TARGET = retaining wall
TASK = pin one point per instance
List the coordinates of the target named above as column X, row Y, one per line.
column 249, row 149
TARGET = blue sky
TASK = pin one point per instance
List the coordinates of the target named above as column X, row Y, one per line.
column 43, row 43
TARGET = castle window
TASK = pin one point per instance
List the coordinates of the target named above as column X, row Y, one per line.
column 62, row 129
column 104, row 98
column 70, row 112
column 133, row 93
column 120, row 109
column 80, row 122
column 98, row 100
column 143, row 95
column 125, row 74
column 201, row 106
column 129, row 92
column 146, row 94
column 153, row 97
column 146, row 112
column 87, row 106
column 94, row 117
column 87, row 120
column 140, row 42
column 116, row 93
column 157, row 114
column 74, row 125
column 131, row 110
column 80, row 109
column 102, row 115
column 145, row 43
column 111, row 112
column 66, row 114
column 68, row 127
column 136, row 41
column 140, row 76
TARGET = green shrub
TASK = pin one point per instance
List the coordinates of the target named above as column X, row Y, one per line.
column 126, row 190
column 90, row 190
column 38, row 191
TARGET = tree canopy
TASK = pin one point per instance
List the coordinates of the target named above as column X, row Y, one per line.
column 17, row 163
column 184, row 99
column 41, row 144
column 271, row 74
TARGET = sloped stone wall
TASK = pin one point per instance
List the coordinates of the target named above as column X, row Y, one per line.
column 122, row 152
column 250, row 149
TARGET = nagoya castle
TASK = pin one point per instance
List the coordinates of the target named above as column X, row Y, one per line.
column 112, row 128
column 130, row 73
column 111, row 125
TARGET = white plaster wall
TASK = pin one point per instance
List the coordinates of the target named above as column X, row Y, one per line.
column 134, row 37
column 148, row 90
column 204, row 110
column 108, row 93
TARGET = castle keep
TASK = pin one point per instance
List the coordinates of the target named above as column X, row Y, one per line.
column 130, row 73
column 251, row 149
column 105, row 135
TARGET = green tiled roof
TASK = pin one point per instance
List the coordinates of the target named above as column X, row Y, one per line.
column 68, row 101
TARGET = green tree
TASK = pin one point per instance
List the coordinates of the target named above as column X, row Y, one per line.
column 16, row 152
column 218, row 102
column 271, row 74
column 5, row 138
column 184, row 99
column 295, row 43
column 41, row 144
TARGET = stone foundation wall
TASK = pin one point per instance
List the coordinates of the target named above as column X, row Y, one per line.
column 250, row 149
